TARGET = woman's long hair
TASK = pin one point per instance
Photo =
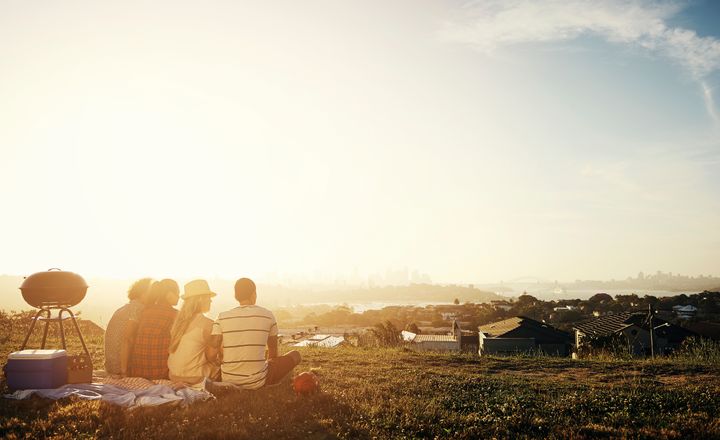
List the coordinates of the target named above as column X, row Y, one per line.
column 191, row 307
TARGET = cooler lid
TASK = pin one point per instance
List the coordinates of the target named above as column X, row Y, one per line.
column 37, row 354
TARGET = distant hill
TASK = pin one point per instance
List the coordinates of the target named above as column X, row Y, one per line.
column 10, row 293
column 418, row 292
column 106, row 295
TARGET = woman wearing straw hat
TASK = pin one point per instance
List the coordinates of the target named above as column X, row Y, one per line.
column 190, row 335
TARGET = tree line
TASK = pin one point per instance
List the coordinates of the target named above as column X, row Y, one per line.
column 561, row 313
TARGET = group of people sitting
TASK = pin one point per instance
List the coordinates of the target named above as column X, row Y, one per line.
column 149, row 338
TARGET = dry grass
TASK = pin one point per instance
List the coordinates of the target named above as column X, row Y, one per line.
column 401, row 394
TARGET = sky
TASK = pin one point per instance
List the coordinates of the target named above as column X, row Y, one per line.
column 476, row 141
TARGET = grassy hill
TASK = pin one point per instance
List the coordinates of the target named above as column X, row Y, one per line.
column 393, row 393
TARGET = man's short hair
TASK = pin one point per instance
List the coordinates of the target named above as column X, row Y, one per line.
column 244, row 289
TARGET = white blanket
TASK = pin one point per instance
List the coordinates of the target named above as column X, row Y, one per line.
column 126, row 398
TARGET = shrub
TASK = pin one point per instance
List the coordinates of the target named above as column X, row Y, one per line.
column 614, row 347
column 699, row 350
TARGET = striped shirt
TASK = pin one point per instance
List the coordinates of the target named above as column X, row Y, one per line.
column 245, row 331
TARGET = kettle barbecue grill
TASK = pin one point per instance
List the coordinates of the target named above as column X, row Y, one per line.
column 54, row 290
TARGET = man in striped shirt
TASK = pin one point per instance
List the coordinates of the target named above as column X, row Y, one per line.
column 240, row 336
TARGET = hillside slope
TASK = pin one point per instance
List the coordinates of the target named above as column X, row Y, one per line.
column 393, row 393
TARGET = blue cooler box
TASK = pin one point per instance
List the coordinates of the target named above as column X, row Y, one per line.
column 36, row 369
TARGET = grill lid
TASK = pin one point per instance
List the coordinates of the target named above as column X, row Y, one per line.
column 54, row 278
column 54, row 287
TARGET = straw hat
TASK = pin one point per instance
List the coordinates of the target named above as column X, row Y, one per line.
column 197, row 288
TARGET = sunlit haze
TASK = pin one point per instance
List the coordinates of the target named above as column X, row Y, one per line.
column 477, row 141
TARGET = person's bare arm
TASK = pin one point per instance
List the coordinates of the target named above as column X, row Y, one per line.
column 272, row 345
column 213, row 351
column 128, row 341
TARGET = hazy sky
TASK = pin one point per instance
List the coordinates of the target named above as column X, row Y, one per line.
column 475, row 141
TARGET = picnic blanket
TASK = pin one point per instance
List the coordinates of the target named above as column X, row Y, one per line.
column 127, row 392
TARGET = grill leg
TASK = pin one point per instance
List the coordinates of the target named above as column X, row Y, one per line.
column 30, row 330
column 47, row 323
column 62, row 329
column 77, row 328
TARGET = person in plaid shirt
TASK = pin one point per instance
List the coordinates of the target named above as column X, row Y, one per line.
column 149, row 358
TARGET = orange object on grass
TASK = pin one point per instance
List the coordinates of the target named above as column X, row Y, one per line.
column 306, row 383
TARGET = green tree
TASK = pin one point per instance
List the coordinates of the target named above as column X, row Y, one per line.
column 412, row 327
column 386, row 334
column 526, row 299
column 600, row 298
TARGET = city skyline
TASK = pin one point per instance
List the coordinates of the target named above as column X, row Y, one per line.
column 409, row 276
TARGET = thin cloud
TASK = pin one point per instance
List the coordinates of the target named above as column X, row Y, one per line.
column 710, row 103
column 492, row 24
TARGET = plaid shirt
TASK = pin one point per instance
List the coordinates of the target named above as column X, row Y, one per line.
column 149, row 357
